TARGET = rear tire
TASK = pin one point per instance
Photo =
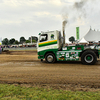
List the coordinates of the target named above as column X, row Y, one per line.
column 89, row 58
column 50, row 58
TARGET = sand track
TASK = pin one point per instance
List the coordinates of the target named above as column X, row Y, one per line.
column 25, row 69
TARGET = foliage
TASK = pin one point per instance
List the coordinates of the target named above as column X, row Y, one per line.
column 72, row 39
column 11, row 92
column 5, row 41
column 34, row 41
column 22, row 39
column 28, row 41
column 11, row 41
column 16, row 42
column 34, row 38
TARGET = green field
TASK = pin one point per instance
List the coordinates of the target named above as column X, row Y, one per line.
column 11, row 92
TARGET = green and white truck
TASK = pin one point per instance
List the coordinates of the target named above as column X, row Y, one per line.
column 51, row 47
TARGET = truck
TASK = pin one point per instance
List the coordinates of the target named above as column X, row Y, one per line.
column 51, row 47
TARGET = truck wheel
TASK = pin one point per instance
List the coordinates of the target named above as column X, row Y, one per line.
column 89, row 58
column 50, row 58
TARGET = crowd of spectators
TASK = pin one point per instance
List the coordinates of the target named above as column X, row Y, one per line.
column 17, row 46
column 85, row 44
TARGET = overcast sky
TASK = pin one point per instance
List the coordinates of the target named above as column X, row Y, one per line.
column 30, row 17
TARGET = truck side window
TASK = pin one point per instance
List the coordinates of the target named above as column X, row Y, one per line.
column 43, row 37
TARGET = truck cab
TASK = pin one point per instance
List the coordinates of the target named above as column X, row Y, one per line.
column 49, row 40
column 52, row 48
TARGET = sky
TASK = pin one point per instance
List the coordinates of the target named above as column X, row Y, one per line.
column 29, row 17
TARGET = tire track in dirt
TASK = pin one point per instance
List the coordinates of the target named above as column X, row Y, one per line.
column 26, row 70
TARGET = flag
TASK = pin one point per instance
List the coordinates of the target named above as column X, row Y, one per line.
column 77, row 33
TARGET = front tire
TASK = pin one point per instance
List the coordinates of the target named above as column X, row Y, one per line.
column 89, row 58
column 50, row 58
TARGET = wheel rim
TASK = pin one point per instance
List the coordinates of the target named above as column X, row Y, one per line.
column 50, row 58
column 89, row 58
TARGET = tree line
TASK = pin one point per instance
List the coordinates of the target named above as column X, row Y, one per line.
column 22, row 40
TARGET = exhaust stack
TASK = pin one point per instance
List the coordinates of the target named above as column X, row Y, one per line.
column 63, row 30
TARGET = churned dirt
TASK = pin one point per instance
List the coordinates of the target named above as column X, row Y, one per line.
column 23, row 68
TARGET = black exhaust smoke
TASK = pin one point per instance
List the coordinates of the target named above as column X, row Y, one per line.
column 63, row 30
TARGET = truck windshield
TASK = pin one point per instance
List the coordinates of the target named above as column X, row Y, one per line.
column 43, row 37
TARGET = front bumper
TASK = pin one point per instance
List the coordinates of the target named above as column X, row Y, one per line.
column 40, row 57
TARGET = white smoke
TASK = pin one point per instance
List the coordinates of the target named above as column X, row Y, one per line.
column 83, row 13
column 78, row 11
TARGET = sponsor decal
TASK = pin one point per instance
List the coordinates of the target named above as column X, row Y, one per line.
column 73, row 48
column 52, row 36
column 77, row 57
column 72, row 52
column 62, row 55
column 62, row 58
column 64, row 48
column 67, row 54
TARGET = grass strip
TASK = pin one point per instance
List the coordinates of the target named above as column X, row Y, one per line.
column 11, row 92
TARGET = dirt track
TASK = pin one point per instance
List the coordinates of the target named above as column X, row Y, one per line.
column 25, row 69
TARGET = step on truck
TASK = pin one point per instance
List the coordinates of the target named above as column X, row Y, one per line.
column 52, row 48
